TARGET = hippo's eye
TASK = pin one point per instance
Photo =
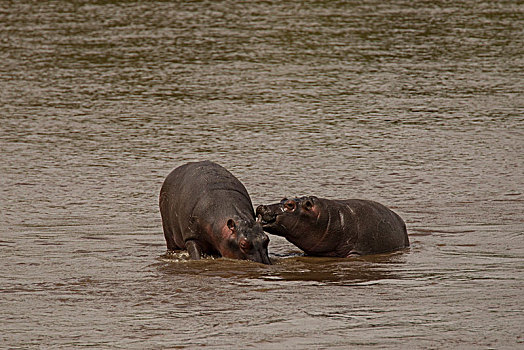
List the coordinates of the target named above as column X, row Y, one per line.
column 290, row 205
column 244, row 245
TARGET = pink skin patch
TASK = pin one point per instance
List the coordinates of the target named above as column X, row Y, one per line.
column 315, row 210
column 226, row 232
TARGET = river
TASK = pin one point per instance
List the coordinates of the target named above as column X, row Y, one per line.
column 415, row 104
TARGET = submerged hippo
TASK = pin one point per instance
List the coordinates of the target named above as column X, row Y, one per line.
column 206, row 210
column 337, row 228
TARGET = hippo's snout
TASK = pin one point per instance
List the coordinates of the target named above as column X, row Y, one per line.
column 265, row 215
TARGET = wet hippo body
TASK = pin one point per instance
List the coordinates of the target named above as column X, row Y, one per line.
column 207, row 210
column 337, row 228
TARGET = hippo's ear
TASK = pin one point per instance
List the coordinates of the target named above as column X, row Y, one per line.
column 231, row 224
column 307, row 204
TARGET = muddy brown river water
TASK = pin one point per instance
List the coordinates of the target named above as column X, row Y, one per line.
column 415, row 104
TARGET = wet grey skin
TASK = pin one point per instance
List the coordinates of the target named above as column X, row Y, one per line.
column 206, row 210
column 335, row 228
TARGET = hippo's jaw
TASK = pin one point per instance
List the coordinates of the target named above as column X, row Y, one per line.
column 266, row 220
column 260, row 256
column 267, row 216
column 271, row 225
column 275, row 219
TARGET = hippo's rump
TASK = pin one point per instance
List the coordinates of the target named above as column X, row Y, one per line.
column 379, row 229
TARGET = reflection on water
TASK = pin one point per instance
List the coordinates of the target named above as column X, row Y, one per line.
column 415, row 105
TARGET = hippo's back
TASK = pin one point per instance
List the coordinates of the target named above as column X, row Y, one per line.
column 191, row 181
column 380, row 229
column 201, row 186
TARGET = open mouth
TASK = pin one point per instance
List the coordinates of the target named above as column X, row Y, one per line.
column 266, row 219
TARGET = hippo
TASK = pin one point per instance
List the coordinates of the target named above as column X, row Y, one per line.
column 335, row 228
column 207, row 210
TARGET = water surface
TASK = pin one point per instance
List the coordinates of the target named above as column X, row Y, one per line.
column 417, row 105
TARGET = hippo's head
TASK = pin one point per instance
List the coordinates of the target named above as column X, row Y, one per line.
column 295, row 219
column 246, row 240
